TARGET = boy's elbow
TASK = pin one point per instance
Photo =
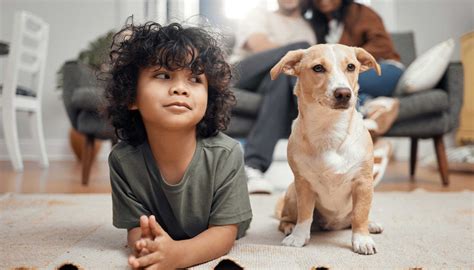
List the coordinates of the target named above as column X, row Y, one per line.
column 231, row 239
column 229, row 245
column 228, row 234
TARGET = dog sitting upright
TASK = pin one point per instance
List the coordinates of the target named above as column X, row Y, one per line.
column 329, row 150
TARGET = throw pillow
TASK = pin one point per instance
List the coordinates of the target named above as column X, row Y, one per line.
column 426, row 71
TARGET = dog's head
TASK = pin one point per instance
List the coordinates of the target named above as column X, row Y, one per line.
column 327, row 74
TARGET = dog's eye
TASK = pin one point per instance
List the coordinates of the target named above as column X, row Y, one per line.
column 351, row 67
column 319, row 68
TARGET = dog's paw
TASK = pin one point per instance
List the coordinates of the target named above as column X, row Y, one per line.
column 293, row 240
column 286, row 227
column 363, row 244
column 375, row 227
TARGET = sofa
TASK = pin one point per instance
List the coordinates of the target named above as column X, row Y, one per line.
column 427, row 114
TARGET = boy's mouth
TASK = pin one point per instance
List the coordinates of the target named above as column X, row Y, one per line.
column 179, row 104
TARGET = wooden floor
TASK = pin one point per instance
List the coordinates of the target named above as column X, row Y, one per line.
column 65, row 177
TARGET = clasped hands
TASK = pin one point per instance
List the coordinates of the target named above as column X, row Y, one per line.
column 155, row 249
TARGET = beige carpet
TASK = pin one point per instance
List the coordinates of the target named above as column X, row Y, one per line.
column 429, row 230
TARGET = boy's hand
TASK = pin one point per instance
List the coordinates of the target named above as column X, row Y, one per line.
column 145, row 234
column 163, row 251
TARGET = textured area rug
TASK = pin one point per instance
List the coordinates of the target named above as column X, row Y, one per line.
column 429, row 230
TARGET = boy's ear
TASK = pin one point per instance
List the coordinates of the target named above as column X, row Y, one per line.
column 289, row 64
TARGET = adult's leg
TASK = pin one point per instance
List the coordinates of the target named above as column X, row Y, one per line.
column 274, row 120
column 251, row 70
column 372, row 85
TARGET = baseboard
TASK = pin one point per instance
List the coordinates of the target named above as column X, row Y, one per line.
column 57, row 149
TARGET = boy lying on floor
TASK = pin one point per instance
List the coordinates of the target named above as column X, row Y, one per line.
column 178, row 184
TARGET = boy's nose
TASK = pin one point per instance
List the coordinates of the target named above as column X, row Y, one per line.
column 178, row 90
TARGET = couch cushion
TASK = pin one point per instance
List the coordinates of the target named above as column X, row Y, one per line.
column 423, row 103
column 427, row 69
column 426, row 126
column 248, row 102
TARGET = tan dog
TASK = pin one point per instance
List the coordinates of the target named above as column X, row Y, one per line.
column 329, row 150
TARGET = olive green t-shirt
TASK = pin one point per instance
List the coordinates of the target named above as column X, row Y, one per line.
column 213, row 190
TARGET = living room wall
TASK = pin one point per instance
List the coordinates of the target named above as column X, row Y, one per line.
column 434, row 21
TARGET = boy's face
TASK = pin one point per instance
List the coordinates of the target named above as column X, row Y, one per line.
column 173, row 100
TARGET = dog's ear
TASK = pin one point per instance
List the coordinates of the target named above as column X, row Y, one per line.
column 367, row 61
column 288, row 64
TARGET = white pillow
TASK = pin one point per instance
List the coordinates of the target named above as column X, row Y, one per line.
column 426, row 71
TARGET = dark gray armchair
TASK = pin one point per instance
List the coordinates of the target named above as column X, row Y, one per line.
column 425, row 115
column 429, row 114
column 83, row 97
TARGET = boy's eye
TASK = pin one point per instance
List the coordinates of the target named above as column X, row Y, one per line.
column 195, row 79
column 162, row 76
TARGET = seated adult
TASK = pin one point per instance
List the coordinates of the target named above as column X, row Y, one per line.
column 262, row 39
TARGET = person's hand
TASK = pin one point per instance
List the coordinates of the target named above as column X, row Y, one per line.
column 145, row 234
column 163, row 251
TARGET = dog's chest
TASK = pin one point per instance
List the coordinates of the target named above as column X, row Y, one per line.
column 330, row 171
column 343, row 161
column 333, row 165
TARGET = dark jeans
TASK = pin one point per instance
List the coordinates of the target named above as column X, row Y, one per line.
column 372, row 85
column 278, row 108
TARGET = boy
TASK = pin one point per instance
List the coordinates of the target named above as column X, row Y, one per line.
column 178, row 184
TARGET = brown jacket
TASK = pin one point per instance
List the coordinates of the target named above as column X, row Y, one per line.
column 364, row 28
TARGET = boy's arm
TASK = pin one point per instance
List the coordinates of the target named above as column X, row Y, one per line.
column 213, row 243
column 165, row 253
column 133, row 236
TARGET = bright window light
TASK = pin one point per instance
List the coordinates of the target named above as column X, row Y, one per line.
column 237, row 9
column 365, row 2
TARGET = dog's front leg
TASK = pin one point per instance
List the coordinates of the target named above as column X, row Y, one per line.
column 305, row 200
column 362, row 192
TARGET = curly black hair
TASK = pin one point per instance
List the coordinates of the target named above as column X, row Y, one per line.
column 173, row 47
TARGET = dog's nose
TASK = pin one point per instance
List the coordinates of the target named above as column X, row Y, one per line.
column 342, row 95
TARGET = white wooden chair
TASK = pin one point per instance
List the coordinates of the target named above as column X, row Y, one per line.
column 27, row 57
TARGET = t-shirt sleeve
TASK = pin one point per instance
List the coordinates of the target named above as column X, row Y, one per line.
column 127, row 209
column 231, row 203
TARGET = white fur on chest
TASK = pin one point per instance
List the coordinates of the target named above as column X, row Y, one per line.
column 345, row 160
